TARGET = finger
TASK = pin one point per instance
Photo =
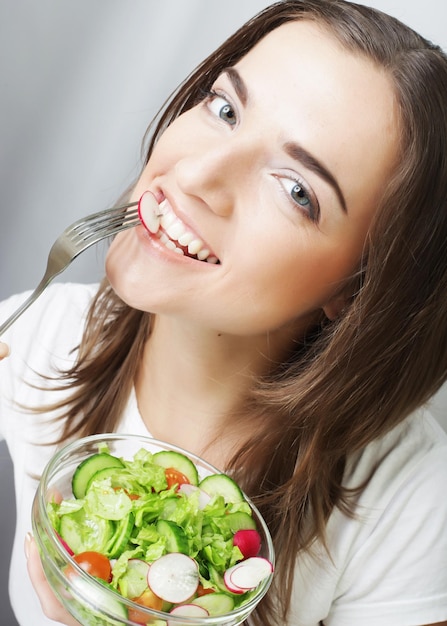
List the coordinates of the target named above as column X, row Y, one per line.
column 51, row 606
column 4, row 350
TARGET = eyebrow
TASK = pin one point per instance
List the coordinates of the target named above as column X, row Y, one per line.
column 293, row 149
column 302, row 155
column 239, row 86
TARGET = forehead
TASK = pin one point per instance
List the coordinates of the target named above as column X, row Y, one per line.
column 337, row 103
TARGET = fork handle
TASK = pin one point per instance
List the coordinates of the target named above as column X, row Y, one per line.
column 31, row 298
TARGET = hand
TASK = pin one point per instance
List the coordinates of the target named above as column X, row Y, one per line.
column 4, row 350
column 51, row 606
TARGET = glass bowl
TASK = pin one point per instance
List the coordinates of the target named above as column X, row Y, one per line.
column 89, row 600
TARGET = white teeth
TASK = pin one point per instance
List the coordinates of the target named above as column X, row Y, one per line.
column 186, row 239
column 195, row 246
column 174, row 232
column 203, row 254
column 167, row 219
column 170, row 245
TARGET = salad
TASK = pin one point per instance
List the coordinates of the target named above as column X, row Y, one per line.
column 154, row 532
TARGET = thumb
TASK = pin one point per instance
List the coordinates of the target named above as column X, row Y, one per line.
column 4, row 350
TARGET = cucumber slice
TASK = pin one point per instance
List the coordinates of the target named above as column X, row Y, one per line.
column 88, row 468
column 121, row 536
column 222, row 485
column 217, row 579
column 101, row 474
column 83, row 534
column 215, row 603
column 176, row 540
column 238, row 521
column 178, row 461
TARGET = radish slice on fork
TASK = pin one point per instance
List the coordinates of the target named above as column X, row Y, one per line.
column 149, row 212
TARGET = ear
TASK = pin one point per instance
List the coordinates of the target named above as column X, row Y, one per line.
column 334, row 308
column 342, row 299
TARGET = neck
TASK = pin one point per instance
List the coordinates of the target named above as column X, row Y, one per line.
column 192, row 382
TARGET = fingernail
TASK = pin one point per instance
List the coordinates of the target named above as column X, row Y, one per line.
column 28, row 539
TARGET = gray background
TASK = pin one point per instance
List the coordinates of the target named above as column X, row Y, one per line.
column 79, row 83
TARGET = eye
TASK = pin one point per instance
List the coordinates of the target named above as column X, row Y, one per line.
column 220, row 107
column 301, row 196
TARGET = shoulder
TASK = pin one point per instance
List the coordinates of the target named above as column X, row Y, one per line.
column 404, row 476
column 392, row 554
column 414, row 453
column 386, row 563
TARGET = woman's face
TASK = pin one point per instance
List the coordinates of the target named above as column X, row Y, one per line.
column 277, row 174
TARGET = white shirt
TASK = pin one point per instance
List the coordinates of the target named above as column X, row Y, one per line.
column 388, row 565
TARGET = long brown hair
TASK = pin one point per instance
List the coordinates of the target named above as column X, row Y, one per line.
column 355, row 378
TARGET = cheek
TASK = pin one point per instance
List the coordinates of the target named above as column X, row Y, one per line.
column 122, row 269
column 283, row 287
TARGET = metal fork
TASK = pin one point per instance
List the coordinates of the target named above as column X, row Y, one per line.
column 74, row 240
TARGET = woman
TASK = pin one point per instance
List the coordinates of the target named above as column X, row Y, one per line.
column 284, row 318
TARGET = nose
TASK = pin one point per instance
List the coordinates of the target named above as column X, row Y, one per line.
column 212, row 175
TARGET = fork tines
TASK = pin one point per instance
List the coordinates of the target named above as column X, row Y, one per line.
column 105, row 223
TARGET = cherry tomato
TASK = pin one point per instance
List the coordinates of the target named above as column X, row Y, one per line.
column 149, row 600
column 174, row 477
column 95, row 564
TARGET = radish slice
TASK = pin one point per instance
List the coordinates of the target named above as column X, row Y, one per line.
column 174, row 577
column 248, row 574
column 187, row 489
column 229, row 584
column 187, row 610
column 248, row 541
column 149, row 212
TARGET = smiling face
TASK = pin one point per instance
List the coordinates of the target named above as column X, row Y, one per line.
column 273, row 179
